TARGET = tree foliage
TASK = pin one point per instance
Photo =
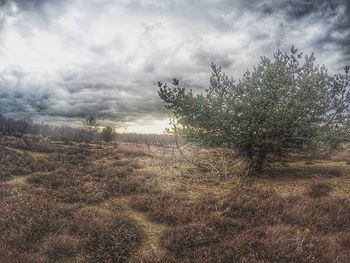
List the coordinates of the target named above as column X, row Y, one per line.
column 91, row 125
column 284, row 103
column 108, row 134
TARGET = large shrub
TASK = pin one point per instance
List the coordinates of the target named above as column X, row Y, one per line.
column 284, row 103
column 108, row 134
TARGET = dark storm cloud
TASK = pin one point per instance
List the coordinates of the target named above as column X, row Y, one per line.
column 335, row 13
column 62, row 60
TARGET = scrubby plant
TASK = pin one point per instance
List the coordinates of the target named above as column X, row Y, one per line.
column 164, row 208
column 108, row 134
column 287, row 102
column 319, row 190
column 91, row 125
column 107, row 237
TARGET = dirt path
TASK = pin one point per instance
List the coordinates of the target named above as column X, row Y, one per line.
column 17, row 181
column 152, row 232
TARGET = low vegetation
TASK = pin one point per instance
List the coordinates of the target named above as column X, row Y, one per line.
column 127, row 202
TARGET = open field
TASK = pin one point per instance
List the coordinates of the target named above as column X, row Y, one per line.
column 127, row 202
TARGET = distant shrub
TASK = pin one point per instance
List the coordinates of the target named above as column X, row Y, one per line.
column 91, row 126
column 319, row 190
column 108, row 134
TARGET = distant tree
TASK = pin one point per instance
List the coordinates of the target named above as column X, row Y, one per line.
column 284, row 103
column 23, row 126
column 91, row 125
column 108, row 134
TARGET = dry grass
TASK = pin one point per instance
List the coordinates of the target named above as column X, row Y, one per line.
column 73, row 202
column 319, row 190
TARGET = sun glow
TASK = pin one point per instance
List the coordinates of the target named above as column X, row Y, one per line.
column 157, row 126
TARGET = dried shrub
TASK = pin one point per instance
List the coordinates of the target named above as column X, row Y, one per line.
column 5, row 191
column 60, row 248
column 55, row 181
column 14, row 163
column 88, row 193
column 331, row 172
column 126, row 163
column 164, row 208
column 128, row 186
column 252, row 225
column 227, row 227
column 181, row 241
column 323, row 215
column 8, row 255
column 34, row 144
column 26, row 219
column 133, row 153
column 106, row 236
column 254, row 206
column 344, row 240
column 319, row 190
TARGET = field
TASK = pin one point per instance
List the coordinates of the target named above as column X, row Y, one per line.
column 129, row 202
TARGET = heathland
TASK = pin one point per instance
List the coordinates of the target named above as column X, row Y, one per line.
column 133, row 202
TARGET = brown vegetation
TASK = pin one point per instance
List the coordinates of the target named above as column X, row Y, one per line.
column 130, row 203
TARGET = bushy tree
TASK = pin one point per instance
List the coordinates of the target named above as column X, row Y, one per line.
column 91, row 125
column 284, row 103
column 108, row 134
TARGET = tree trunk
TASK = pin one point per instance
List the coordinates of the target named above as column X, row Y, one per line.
column 256, row 160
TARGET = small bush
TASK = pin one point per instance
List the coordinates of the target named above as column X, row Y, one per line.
column 26, row 219
column 331, row 172
column 60, row 248
column 5, row 191
column 183, row 240
column 126, row 186
column 254, row 206
column 319, row 190
column 108, row 134
column 107, row 237
column 322, row 215
column 164, row 208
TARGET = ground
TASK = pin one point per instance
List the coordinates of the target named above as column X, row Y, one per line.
column 129, row 202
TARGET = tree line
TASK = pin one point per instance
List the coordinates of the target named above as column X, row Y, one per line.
column 27, row 126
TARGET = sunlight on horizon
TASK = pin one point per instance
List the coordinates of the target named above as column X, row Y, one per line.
column 157, row 126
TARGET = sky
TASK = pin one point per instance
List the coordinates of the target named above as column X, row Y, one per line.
column 61, row 60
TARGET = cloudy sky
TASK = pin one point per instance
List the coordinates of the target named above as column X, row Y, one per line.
column 61, row 60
